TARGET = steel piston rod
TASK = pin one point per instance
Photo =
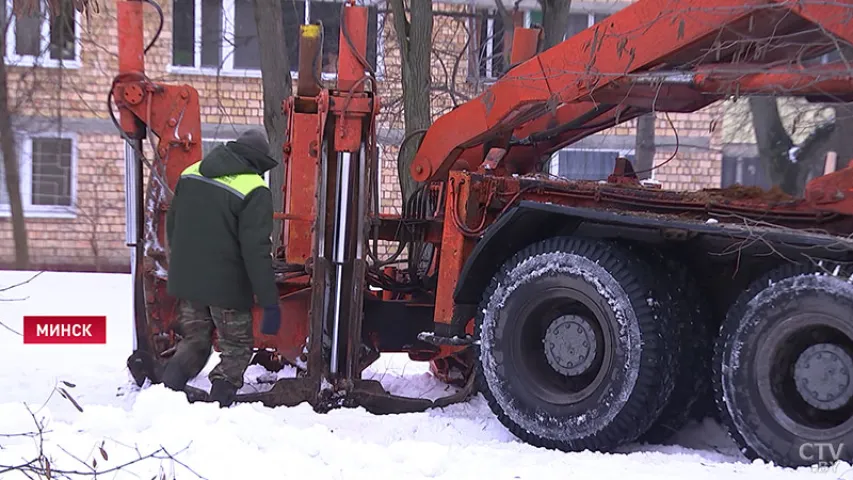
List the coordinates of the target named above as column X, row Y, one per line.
column 339, row 252
column 133, row 220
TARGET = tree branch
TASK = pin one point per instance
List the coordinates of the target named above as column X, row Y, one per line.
column 10, row 287
column 401, row 27
column 44, row 467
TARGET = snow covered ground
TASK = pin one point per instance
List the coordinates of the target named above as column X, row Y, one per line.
column 250, row 441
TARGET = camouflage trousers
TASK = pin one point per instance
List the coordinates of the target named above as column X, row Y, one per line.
column 234, row 329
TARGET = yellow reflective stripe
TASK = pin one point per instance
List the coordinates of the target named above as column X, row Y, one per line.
column 241, row 184
column 192, row 170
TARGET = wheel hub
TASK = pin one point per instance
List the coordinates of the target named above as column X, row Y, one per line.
column 823, row 376
column 570, row 345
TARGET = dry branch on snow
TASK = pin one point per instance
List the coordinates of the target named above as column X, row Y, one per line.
column 42, row 465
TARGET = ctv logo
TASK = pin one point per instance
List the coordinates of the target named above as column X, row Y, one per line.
column 824, row 456
column 65, row 329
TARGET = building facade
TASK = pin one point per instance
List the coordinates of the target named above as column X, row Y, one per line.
column 71, row 158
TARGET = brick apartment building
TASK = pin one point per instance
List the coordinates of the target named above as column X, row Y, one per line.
column 71, row 157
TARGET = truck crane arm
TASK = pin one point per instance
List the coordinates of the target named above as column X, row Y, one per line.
column 652, row 55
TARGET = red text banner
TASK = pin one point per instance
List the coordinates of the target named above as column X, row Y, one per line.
column 65, row 329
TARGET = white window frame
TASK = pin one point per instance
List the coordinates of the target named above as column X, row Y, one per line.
column 25, row 172
column 43, row 59
column 223, row 141
column 590, row 19
column 226, row 49
column 739, row 170
column 554, row 162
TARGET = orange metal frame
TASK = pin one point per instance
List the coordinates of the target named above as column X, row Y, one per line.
column 172, row 114
column 645, row 56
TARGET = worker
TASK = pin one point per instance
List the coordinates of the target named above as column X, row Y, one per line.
column 219, row 228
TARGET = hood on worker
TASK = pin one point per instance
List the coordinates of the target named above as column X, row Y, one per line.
column 248, row 154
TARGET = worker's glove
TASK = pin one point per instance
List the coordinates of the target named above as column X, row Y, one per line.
column 272, row 320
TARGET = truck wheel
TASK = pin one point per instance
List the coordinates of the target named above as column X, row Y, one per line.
column 695, row 349
column 576, row 345
column 783, row 368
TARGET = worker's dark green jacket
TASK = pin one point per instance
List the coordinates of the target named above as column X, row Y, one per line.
column 219, row 228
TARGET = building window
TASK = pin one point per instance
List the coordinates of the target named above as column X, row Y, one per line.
column 491, row 45
column 578, row 22
column 745, row 171
column 39, row 38
column 208, row 145
column 47, row 169
column 586, row 164
column 220, row 36
column 490, row 31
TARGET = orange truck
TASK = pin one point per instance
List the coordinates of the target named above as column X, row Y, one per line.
column 588, row 314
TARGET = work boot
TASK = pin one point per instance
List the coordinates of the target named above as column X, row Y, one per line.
column 143, row 365
column 223, row 392
column 174, row 377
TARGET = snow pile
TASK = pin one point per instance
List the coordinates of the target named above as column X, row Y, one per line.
column 250, row 441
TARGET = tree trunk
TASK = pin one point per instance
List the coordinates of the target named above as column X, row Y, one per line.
column 414, row 37
column 644, row 160
column 774, row 143
column 508, row 22
column 555, row 21
column 10, row 164
column 277, row 86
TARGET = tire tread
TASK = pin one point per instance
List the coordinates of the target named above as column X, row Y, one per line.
column 658, row 361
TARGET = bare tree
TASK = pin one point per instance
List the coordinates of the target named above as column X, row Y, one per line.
column 9, row 152
column 788, row 165
column 555, row 21
column 416, row 43
column 792, row 136
column 277, row 85
column 414, row 39
column 506, row 16
column 645, row 145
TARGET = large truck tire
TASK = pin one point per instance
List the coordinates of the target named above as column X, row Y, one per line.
column 576, row 345
column 695, row 349
column 783, row 367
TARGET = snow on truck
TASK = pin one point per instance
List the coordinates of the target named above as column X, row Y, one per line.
column 588, row 314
